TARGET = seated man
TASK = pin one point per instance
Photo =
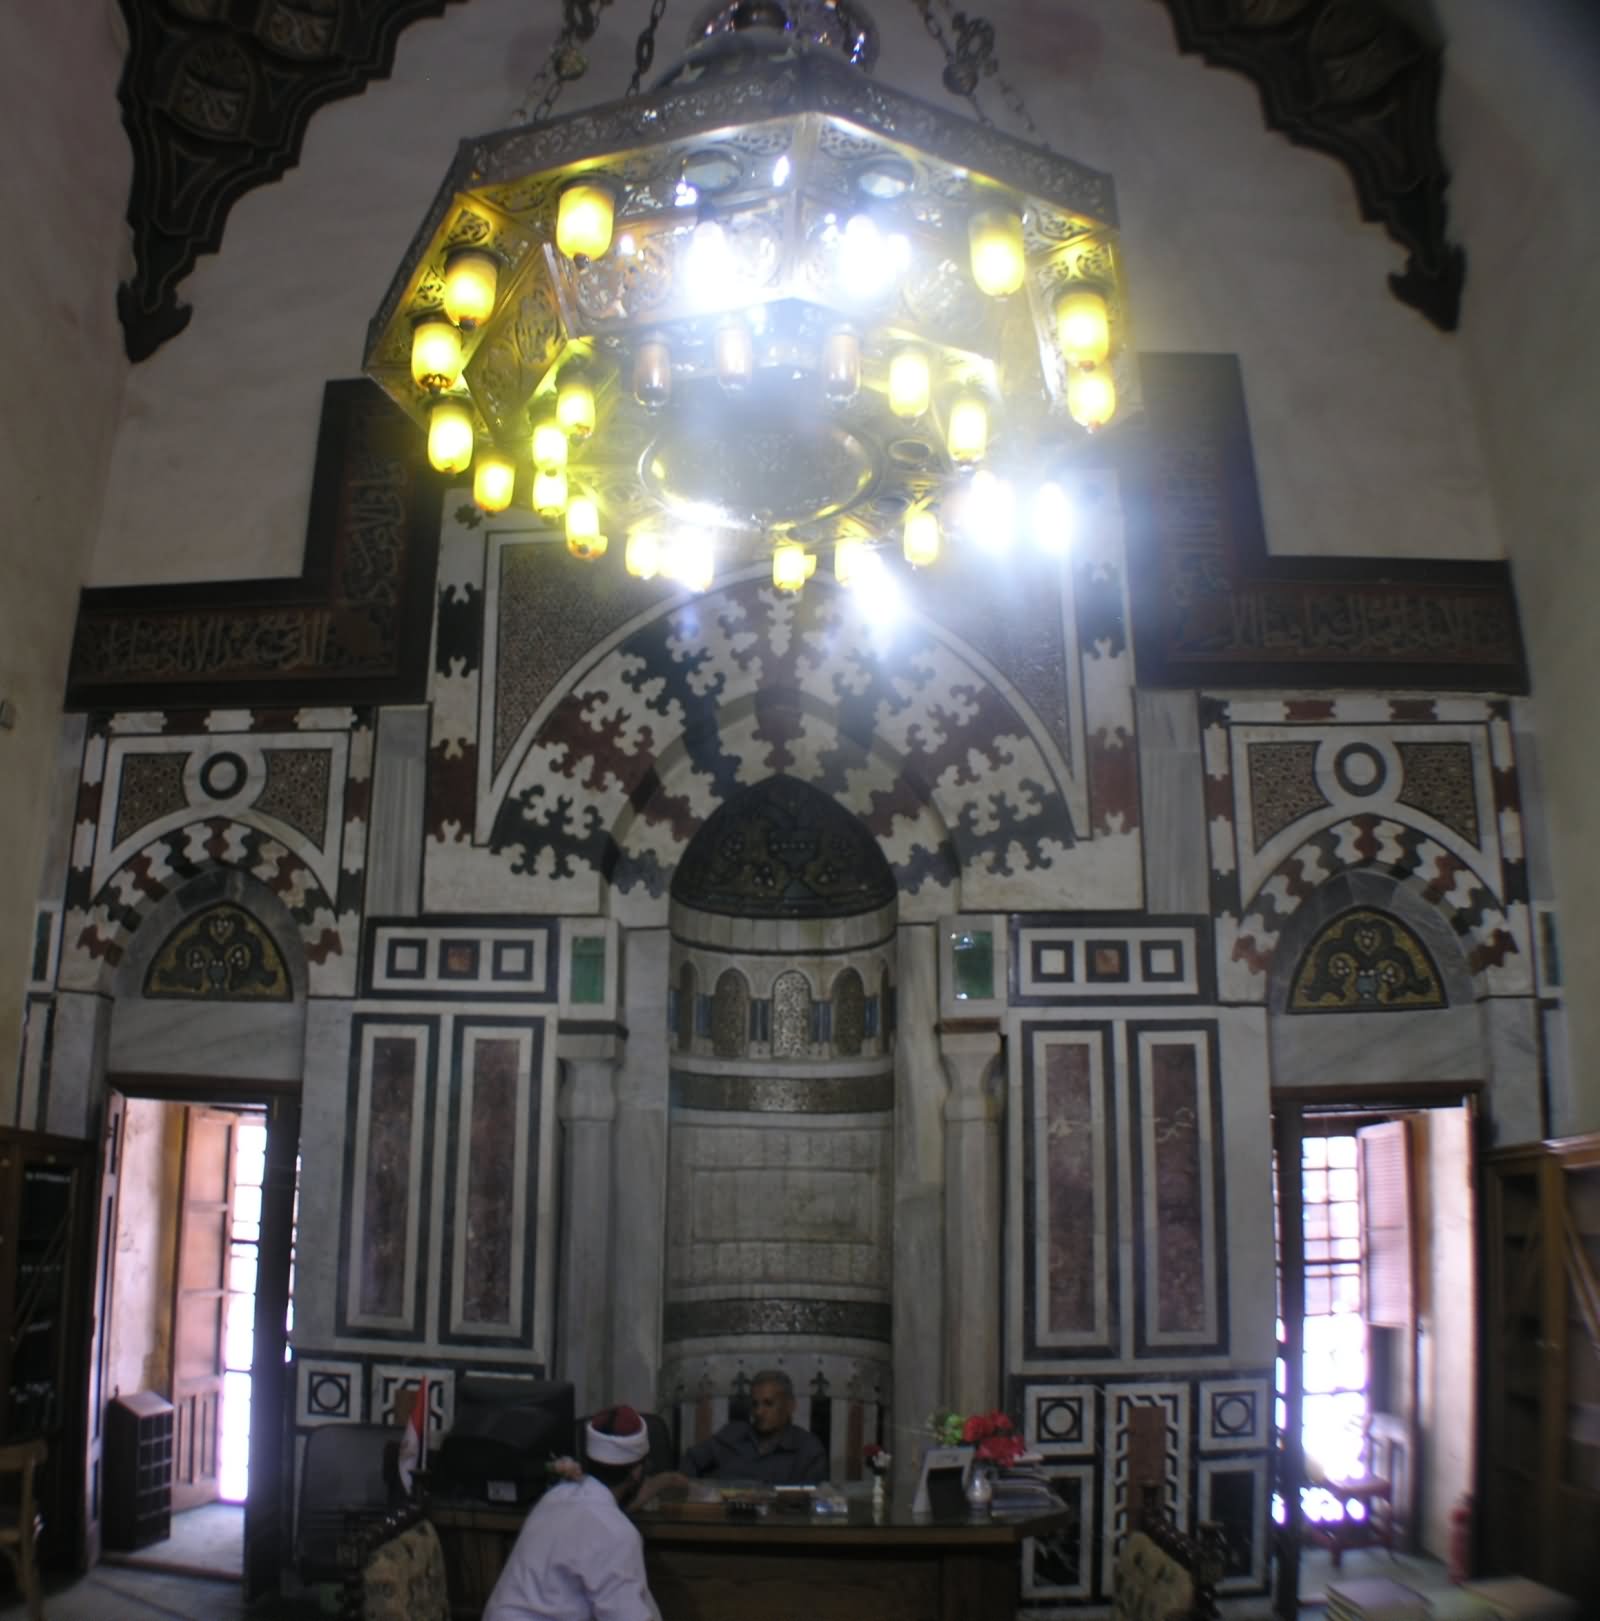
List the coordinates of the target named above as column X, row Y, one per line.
column 578, row 1557
column 768, row 1450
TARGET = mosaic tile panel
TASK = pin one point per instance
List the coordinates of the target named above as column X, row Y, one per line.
column 219, row 954
column 730, row 1015
column 791, row 1016
column 1439, row 781
column 849, row 1014
column 296, row 789
column 1283, row 786
column 151, row 786
column 1366, row 961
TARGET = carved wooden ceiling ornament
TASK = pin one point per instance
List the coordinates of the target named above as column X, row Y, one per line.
column 216, row 96
column 1349, row 78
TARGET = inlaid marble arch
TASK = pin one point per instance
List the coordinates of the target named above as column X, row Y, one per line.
column 936, row 752
column 1494, row 938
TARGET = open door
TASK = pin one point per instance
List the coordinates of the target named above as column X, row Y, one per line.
column 100, row 1320
column 267, row 1515
column 1389, row 1306
column 200, row 1291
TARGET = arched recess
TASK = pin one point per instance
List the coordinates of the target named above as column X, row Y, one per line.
column 943, row 763
column 780, row 1148
column 209, row 854
column 1411, row 871
column 259, row 1039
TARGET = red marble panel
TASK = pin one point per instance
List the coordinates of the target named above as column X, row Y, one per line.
column 385, row 1197
column 491, row 1165
column 1069, row 1169
column 1177, row 1246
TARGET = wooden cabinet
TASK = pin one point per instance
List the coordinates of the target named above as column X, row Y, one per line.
column 1540, row 1510
column 46, row 1216
column 136, row 1489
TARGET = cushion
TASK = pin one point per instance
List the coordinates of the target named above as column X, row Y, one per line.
column 403, row 1580
column 1150, row 1585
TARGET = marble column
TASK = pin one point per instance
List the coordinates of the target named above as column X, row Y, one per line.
column 588, row 1110
column 640, row 1144
column 972, row 1215
column 919, row 1096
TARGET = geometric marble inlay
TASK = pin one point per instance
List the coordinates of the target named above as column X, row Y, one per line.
column 1365, row 961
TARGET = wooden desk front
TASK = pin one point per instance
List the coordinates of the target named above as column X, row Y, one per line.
column 787, row 1568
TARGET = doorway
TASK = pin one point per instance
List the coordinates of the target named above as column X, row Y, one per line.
column 197, row 1318
column 1376, row 1406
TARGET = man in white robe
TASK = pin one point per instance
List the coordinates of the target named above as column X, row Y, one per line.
column 578, row 1556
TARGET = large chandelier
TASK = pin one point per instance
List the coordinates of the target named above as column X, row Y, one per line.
column 769, row 306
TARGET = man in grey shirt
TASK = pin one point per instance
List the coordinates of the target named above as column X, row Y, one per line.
column 769, row 1450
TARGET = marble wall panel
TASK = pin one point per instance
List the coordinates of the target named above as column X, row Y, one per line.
column 388, row 1173
column 1176, row 1133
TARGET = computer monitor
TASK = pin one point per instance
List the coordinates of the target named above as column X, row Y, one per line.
column 505, row 1432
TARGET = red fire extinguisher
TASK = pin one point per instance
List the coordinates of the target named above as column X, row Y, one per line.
column 1461, row 1540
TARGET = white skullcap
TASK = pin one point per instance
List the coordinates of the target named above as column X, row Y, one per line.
column 617, row 1435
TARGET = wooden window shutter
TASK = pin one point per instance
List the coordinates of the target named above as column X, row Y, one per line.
column 1386, row 1272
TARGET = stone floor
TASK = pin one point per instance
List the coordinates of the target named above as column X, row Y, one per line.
column 125, row 1593
column 207, row 1541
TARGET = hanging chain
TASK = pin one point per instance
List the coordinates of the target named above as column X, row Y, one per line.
column 644, row 48
column 970, row 58
column 960, row 76
column 566, row 62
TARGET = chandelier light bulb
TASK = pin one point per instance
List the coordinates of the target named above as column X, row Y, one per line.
column 471, row 281
column 709, row 262
column 792, row 565
column 549, row 494
column 736, row 354
column 910, row 383
column 435, row 354
column 584, row 218
column 921, row 543
column 450, row 437
column 494, row 480
column 583, row 527
column 690, row 560
column 652, row 373
column 549, row 446
column 575, row 405
column 841, row 365
column 1091, row 397
column 967, row 435
column 999, row 260
column 849, row 558
column 642, row 555
column 1083, row 326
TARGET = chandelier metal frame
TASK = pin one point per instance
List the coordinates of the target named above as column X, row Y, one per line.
column 771, row 202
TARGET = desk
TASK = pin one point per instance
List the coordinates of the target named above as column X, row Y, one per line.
column 787, row 1567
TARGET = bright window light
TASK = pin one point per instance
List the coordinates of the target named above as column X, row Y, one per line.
column 989, row 511
column 780, row 171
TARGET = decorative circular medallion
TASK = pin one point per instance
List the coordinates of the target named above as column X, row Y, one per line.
column 1359, row 769
column 222, row 776
column 765, row 459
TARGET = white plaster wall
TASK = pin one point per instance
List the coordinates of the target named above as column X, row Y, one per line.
column 63, row 193
column 140, row 1331
column 1521, row 125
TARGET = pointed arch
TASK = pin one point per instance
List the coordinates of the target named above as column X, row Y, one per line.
column 99, row 936
column 1399, row 868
